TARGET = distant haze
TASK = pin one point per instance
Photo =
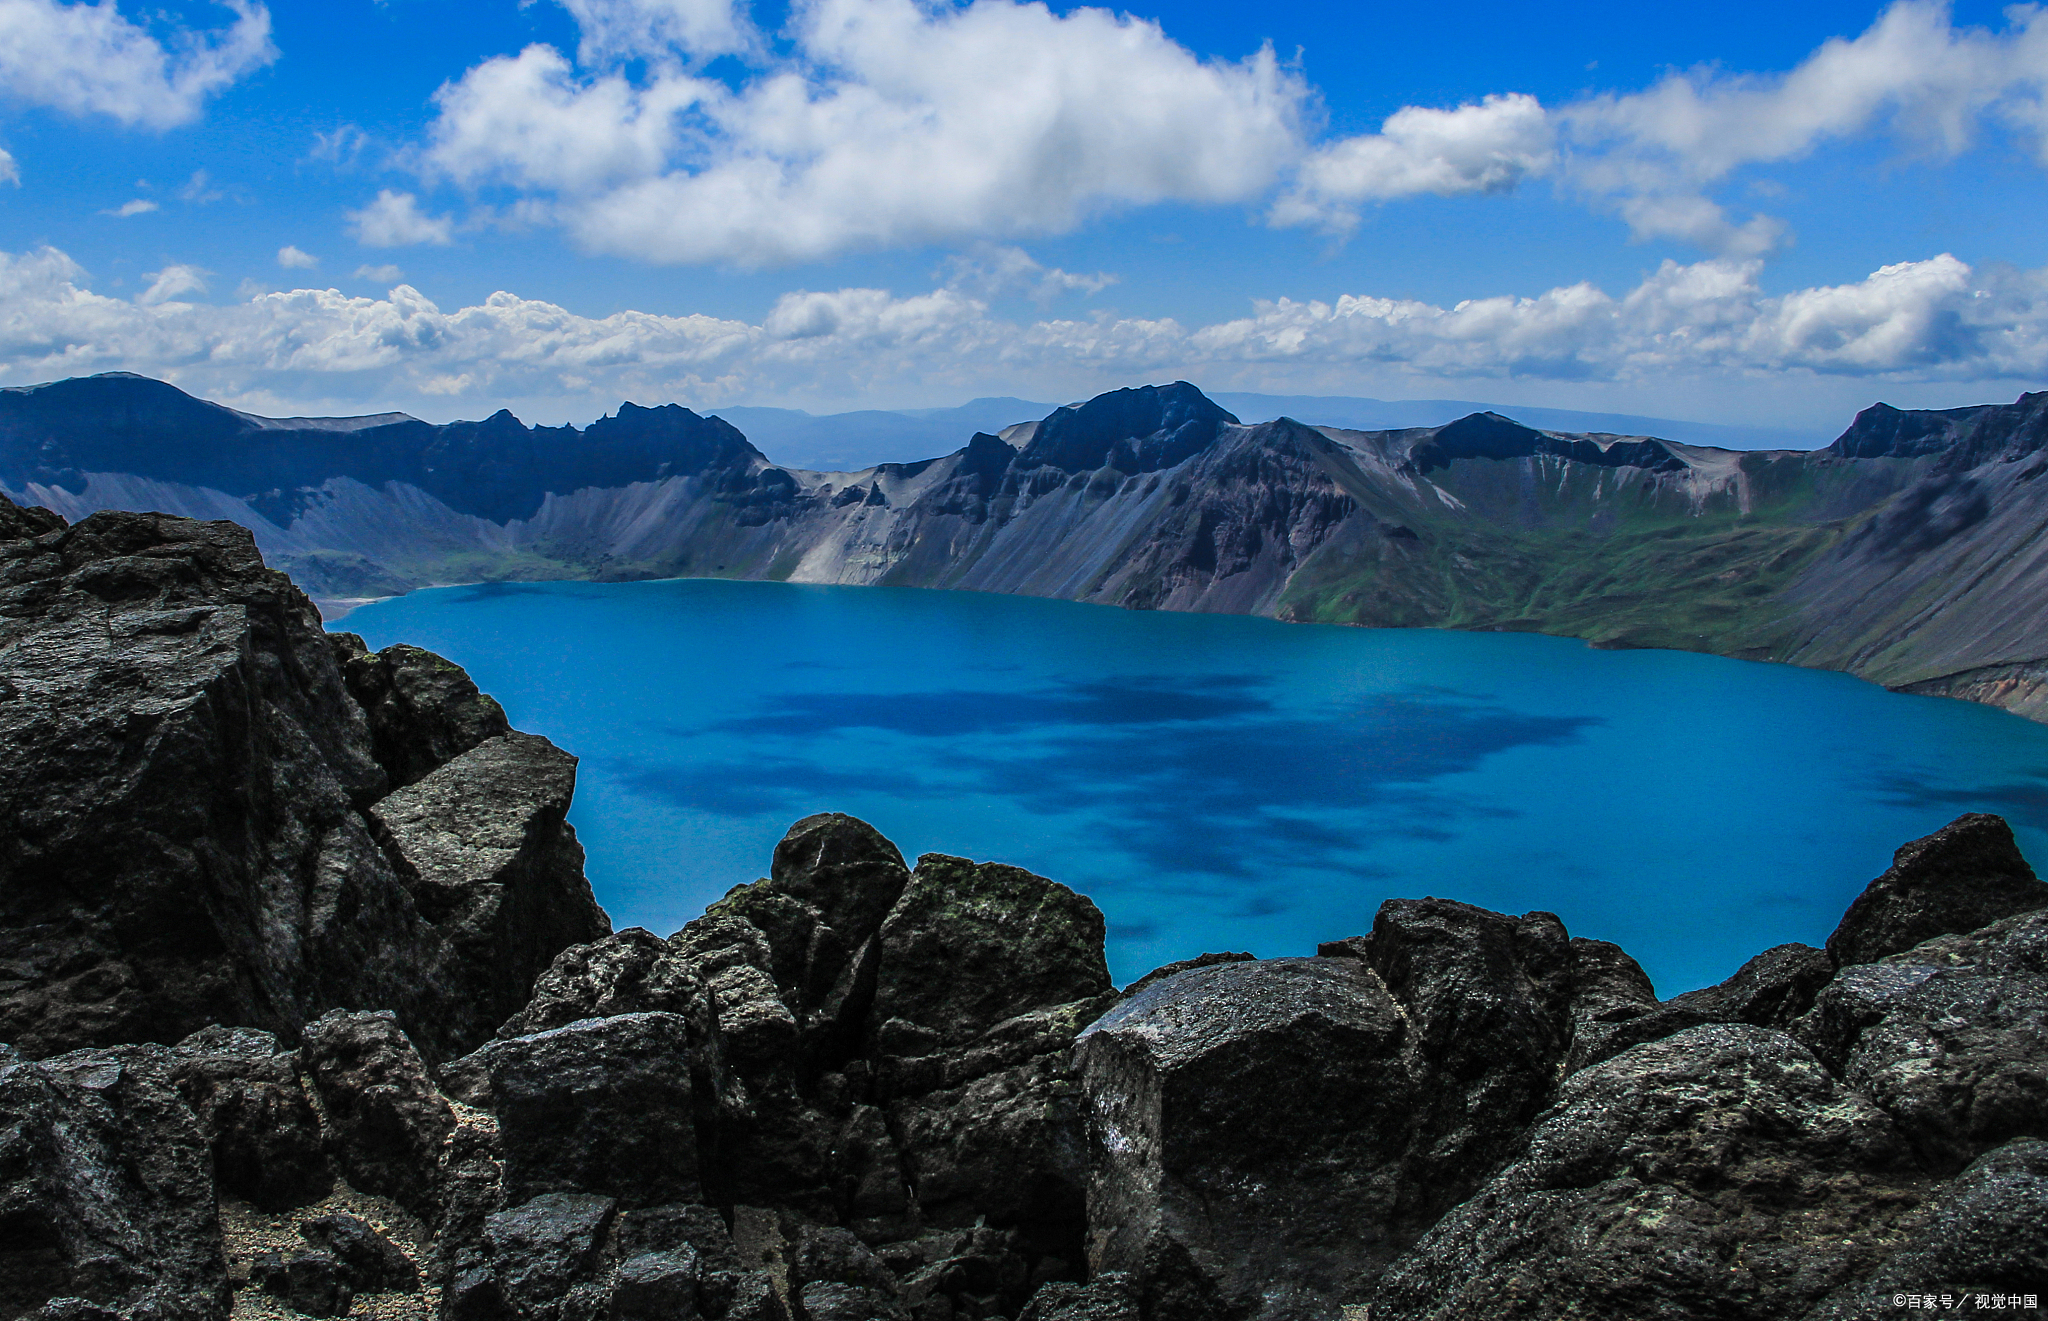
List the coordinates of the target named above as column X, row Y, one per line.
column 848, row 442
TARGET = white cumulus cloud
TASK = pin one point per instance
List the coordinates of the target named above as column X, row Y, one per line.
column 1650, row 156
column 141, row 206
column 893, row 124
column 90, row 59
column 994, row 269
column 10, row 171
column 293, row 259
column 380, row 274
column 395, row 220
column 1934, row 81
column 531, row 121
column 1486, row 147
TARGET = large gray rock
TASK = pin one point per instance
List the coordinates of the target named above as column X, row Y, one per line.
column 630, row 972
column 1009, row 1147
column 1244, row 1119
column 604, row 1105
column 1487, row 997
column 545, row 1263
column 1771, row 990
column 1950, row 1037
column 264, row 1134
column 1966, row 875
column 656, row 1286
column 1980, row 1233
column 1268, row 1136
column 486, row 847
column 423, row 711
column 1718, row 1173
column 184, row 775
column 969, row 945
column 387, row 1124
column 18, row 522
column 106, row 1190
column 1611, row 998
column 833, row 881
column 694, row 1239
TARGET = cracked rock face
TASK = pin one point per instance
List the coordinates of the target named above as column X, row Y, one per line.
column 1719, row 1170
column 602, row 1105
column 192, row 787
column 1203, row 1186
column 423, row 711
column 106, row 1189
column 1950, row 1036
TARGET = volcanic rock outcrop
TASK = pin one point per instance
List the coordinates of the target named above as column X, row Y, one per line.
column 204, row 818
column 425, row 1079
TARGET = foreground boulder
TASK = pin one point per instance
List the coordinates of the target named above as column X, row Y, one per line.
column 1719, row 1171
column 1951, row 1037
column 386, row 1121
column 1964, row 876
column 1979, row 1235
column 422, row 711
column 250, row 1097
column 1267, row 1136
column 602, row 1105
column 106, row 1189
column 1244, row 1118
column 195, row 791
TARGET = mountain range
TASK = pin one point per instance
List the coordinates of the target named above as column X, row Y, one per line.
column 854, row 440
column 1909, row 551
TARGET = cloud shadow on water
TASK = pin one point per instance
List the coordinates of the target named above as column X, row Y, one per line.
column 756, row 787
column 1192, row 777
column 1237, row 798
column 469, row 593
column 1140, row 700
column 2023, row 802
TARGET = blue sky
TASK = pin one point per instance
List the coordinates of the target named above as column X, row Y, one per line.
column 1741, row 213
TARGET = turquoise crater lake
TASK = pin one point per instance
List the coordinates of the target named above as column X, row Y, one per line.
column 1217, row 782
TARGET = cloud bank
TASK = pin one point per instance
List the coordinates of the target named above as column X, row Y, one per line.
column 1932, row 320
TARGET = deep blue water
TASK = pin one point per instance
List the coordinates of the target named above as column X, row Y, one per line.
column 1218, row 782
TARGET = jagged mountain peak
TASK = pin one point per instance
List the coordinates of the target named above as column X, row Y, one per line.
column 1973, row 434
column 985, row 455
column 1477, row 433
column 1141, row 429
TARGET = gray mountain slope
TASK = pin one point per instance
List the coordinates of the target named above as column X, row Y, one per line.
column 1909, row 551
